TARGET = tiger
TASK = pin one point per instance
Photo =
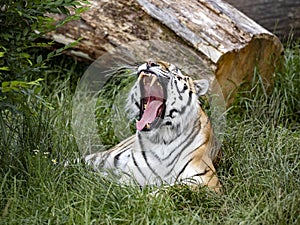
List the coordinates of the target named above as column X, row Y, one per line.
column 174, row 141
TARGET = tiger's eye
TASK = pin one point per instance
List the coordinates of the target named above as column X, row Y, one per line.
column 151, row 64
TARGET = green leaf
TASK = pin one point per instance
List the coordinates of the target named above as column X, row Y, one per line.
column 25, row 31
column 39, row 59
column 50, row 55
column 5, row 68
column 35, row 82
column 15, row 85
column 24, row 55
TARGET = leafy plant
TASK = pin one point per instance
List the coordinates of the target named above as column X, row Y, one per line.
column 24, row 62
column 22, row 24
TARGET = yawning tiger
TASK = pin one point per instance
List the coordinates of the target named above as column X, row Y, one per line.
column 174, row 139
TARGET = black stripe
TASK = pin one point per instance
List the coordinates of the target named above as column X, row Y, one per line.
column 190, row 140
column 142, row 149
column 137, row 105
column 191, row 178
column 116, row 158
column 171, row 113
column 145, row 158
column 155, row 155
column 190, row 98
column 173, row 102
column 139, row 169
column 179, row 92
column 186, row 144
column 180, row 152
column 185, row 87
column 205, row 142
column 144, row 154
column 200, row 174
column 140, row 141
column 181, row 171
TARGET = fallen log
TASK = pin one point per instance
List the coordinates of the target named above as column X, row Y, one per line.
column 230, row 43
column 280, row 17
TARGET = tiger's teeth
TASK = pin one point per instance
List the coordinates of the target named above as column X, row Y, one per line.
column 148, row 126
column 140, row 76
column 153, row 80
column 145, row 106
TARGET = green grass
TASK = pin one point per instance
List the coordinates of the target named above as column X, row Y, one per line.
column 111, row 113
column 259, row 169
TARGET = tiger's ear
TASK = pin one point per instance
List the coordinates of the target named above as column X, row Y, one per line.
column 201, row 86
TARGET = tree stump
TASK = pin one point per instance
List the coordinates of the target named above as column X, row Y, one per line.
column 229, row 42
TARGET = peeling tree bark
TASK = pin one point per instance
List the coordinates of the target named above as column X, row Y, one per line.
column 230, row 43
column 109, row 24
column 278, row 16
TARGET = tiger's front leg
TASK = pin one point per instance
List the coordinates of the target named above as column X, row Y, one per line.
column 115, row 158
column 109, row 160
column 209, row 177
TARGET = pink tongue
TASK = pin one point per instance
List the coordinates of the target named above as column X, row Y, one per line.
column 149, row 114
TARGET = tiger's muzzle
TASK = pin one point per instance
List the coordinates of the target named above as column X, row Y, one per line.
column 153, row 98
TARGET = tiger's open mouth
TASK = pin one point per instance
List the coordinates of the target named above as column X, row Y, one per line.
column 152, row 107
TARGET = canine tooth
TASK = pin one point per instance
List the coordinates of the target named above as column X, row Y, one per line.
column 148, row 126
column 140, row 76
column 153, row 80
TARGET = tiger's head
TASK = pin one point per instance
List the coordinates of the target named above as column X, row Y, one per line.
column 164, row 101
